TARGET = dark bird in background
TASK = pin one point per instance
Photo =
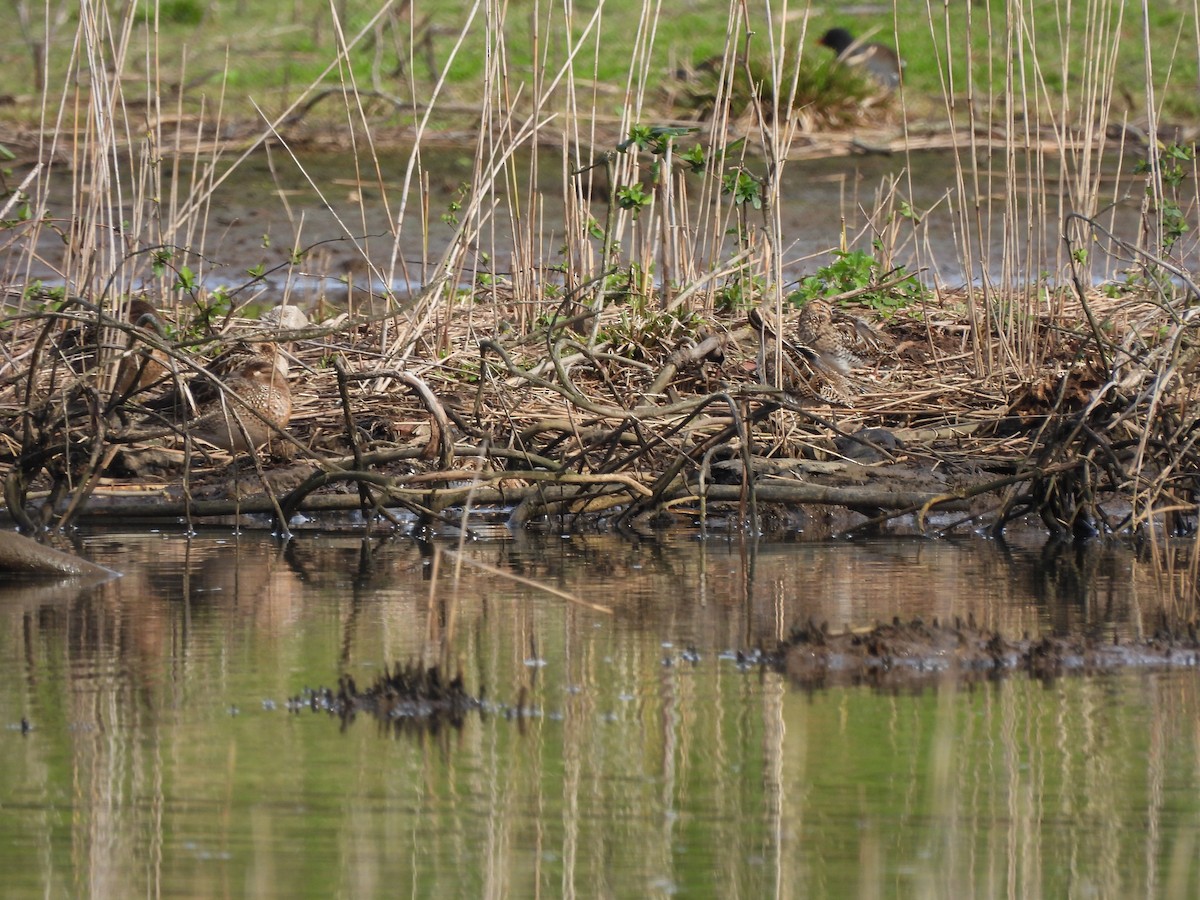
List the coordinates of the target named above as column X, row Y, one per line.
column 877, row 61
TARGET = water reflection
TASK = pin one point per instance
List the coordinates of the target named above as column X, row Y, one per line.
column 155, row 767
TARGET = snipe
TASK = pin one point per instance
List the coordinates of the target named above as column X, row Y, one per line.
column 842, row 341
column 803, row 372
column 261, row 404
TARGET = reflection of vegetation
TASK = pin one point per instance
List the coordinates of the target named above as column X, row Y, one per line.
column 623, row 734
column 409, row 698
column 914, row 653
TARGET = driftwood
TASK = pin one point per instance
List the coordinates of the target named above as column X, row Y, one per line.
column 20, row 555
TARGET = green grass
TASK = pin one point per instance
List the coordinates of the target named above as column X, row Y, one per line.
column 269, row 53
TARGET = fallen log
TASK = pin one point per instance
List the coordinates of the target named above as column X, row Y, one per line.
column 23, row 556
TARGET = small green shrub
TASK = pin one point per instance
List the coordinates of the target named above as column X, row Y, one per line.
column 856, row 270
column 175, row 12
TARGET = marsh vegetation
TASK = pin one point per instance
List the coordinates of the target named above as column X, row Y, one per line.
column 553, row 282
column 600, row 367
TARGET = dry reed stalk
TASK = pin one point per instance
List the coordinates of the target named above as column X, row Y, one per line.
column 596, row 380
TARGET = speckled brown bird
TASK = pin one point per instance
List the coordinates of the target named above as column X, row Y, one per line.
column 803, row 373
column 842, row 341
column 255, row 403
column 238, row 404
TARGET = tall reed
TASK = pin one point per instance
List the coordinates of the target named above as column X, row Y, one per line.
column 1030, row 149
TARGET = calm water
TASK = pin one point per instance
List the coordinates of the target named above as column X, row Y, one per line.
column 267, row 207
column 155, row 766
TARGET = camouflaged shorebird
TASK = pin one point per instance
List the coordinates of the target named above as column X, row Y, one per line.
column 234, row 426
column 254, row 402
column 803, row 373
column 842, row 341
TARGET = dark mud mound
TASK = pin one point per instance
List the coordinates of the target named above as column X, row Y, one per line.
column 917, row 652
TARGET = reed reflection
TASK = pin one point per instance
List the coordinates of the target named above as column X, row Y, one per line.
column 641, row 757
